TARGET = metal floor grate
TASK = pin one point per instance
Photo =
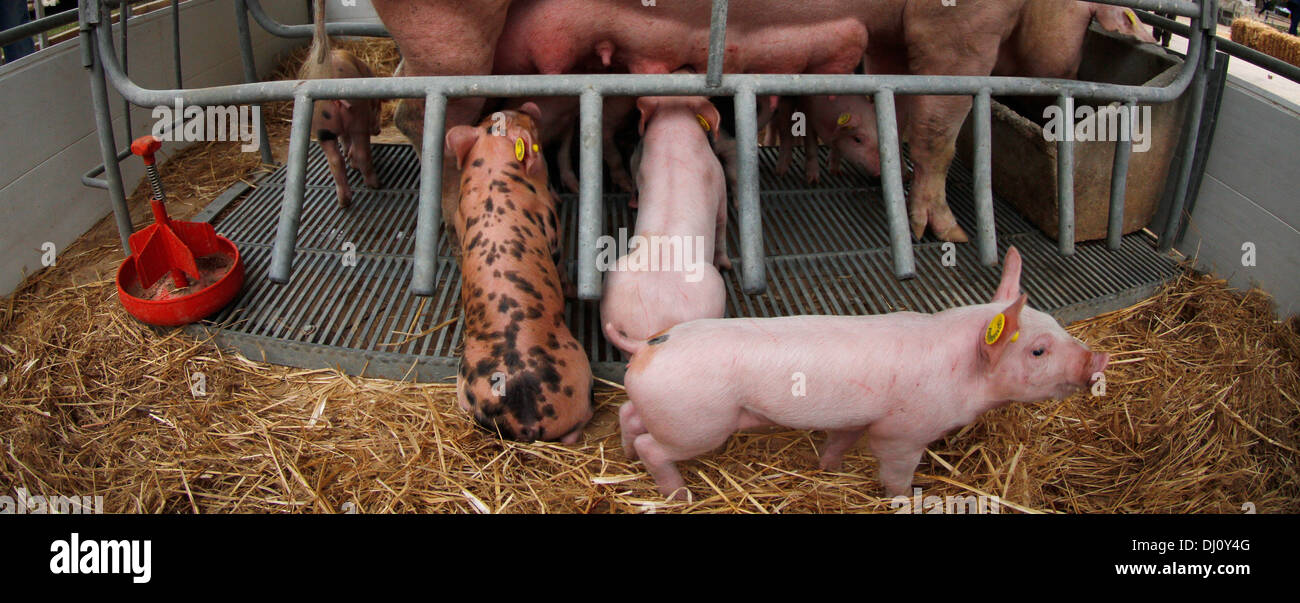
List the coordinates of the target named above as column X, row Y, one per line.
column 828, row 253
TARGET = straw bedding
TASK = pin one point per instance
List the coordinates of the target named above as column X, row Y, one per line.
column 1200, row 415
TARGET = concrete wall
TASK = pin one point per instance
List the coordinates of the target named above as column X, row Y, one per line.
column 48, row 127
column 1251, row 194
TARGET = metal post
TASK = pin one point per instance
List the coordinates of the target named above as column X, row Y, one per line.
column 1191, row 132
column 176, row 41
column 1119, row 179
column 250, row 71
column 429, row 213
column 1065, row 178
column 90, row 14
column 753, row 278
column 717, row 42
column 125, row 14
column 891, row 178
column 286, row 235
column 988, row 238
column 40, row 14
column 590, row 212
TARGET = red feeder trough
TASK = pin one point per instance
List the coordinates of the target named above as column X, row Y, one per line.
column 178, row 272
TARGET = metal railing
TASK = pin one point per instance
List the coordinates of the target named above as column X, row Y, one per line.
column 744, row 88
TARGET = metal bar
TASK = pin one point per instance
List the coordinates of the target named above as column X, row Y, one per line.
column 1191, row 132
column 291, row 209
column 429, row 212
column 891, row 179
column 1245, row 53
column 176, row 41
column 717, row 42
column 124, row 17
column 275, row 28
column 1119, row 181
column 1065, row 179
column 90, row 14
column 250, row 71
column 983, row 180
column 590, row 213
column 90, row 178
column 752, row 278
column 40, row 25
column 40, row 14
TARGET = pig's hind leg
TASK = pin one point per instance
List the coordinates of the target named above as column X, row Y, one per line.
column 836, row 444
column 631, row 426
column 661, row 462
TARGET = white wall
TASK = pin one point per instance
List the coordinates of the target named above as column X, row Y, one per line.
column 1251, row 194
column 47, row 127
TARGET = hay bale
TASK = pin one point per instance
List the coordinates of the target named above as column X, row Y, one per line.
column 1267, row 39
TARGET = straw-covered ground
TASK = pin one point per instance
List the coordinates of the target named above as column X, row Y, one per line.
column 1201, row 414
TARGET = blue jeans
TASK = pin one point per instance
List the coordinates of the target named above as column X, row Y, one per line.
column 1294, row 7
column 12, row 14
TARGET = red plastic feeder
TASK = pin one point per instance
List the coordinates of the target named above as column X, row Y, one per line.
column 178, row 272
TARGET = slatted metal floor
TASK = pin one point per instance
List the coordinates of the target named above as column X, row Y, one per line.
column 827, row 246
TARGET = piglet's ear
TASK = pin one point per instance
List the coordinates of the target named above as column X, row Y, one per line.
column 533, row 111
column 1009, row 288
column 705, row 110
column 342, row 104
column 647, row 106
column 460, row 140
column 1000, row 333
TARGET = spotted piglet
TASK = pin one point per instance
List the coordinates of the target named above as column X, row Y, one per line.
column 342, row 126
column 522, row 373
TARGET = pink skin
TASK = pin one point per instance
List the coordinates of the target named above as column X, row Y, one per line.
column 443, row 37
column 344, row 128
column 855, row 139
column 905, row 378
column 683, row 195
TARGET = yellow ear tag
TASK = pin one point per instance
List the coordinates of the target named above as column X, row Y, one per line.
column 1132, row 17
column 704, row 123
column 1015, row 336
column 536, row 149
column 844, row 119
column 519, row 149
column 994, row 332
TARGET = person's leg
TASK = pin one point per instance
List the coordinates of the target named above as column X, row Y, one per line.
column 1294, row 6
column 12, row 14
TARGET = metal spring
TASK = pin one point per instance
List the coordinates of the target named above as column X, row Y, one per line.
column 155, row 182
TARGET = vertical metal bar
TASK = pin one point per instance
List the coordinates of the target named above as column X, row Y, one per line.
column 125, row 14
column 176, row 41
column 717, row 42
column 891, row 177
column 752, row 278
column 250, row 71
column 90, row 14
column 1119, row 178
column 1065, row 179
column 428, row 218
column 40, row 14
column 1191, row 133
column 983, row 179
column 286, row 235
column 590, row 213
